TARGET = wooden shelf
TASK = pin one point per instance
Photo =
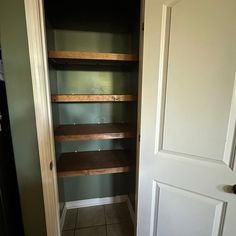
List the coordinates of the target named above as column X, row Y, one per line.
column 94, row 163
column 93, row 98
column 77, row 59
column 82, row 132
column 77, row 55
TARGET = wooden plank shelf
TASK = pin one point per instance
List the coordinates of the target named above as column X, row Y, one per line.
column 94, row 163
column 83, row 132
column 93, row 98
column 94, row 56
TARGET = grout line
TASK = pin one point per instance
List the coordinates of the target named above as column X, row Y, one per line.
column 87, row 227
column 63, row 217
column 106, row 230
column 77, row 216
column 118, row 223
column 105, row 219
column 104, row 214
column 131, row 210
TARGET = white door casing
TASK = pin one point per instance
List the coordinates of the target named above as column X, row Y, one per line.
column 188, row 117
column 34, row 14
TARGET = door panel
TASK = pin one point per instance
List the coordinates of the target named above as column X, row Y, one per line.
column 202, row 216
column 200, row 77
column 188, row 118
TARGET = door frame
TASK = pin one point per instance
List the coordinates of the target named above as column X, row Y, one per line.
column 35, row 24
column 36, row 35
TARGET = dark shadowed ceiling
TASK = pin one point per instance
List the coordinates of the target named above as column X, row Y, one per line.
column 72, row 13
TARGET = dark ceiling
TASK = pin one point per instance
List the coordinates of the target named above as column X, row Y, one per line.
column 91, row 10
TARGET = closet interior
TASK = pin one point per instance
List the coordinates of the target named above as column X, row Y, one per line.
column 93, row 57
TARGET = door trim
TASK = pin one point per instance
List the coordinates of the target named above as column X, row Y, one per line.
column 34, row 13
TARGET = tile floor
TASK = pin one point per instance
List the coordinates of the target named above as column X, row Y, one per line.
column 107, row 220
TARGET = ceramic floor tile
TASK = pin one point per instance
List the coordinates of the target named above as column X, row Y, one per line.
column 92, row 231
column 90, row 216
column 70, row 220
column 123, row 229
column 116, row 213
column 68, row 233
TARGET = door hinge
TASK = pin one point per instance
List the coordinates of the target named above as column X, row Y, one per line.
column 139, row 137
column 143, row 26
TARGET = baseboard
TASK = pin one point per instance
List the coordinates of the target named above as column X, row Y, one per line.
column 97, row 202
column 63, row 216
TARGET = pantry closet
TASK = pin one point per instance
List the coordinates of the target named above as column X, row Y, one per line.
column 93, row 58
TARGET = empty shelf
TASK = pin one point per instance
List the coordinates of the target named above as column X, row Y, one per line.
column 82, row 132
column 93, row 98
column 94, row 163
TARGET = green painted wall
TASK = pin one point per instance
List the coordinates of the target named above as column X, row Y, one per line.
column 86, row 187
column 95, row 41
column 94, row 81
column 22, row 117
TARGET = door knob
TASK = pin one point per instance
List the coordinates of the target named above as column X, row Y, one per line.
column 234, row 189
column 229, row 188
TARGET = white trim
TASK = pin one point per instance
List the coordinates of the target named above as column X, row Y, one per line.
column 162, row 80
column 164, row 51
column 63, row 217
column 154, row 207
column 34, row 13
column 96, row 201
column 230, row 144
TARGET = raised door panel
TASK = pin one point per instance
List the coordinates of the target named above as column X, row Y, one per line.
column 197, row 79
column 180, row 212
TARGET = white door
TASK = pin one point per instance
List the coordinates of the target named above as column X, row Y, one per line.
column 188, row 118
